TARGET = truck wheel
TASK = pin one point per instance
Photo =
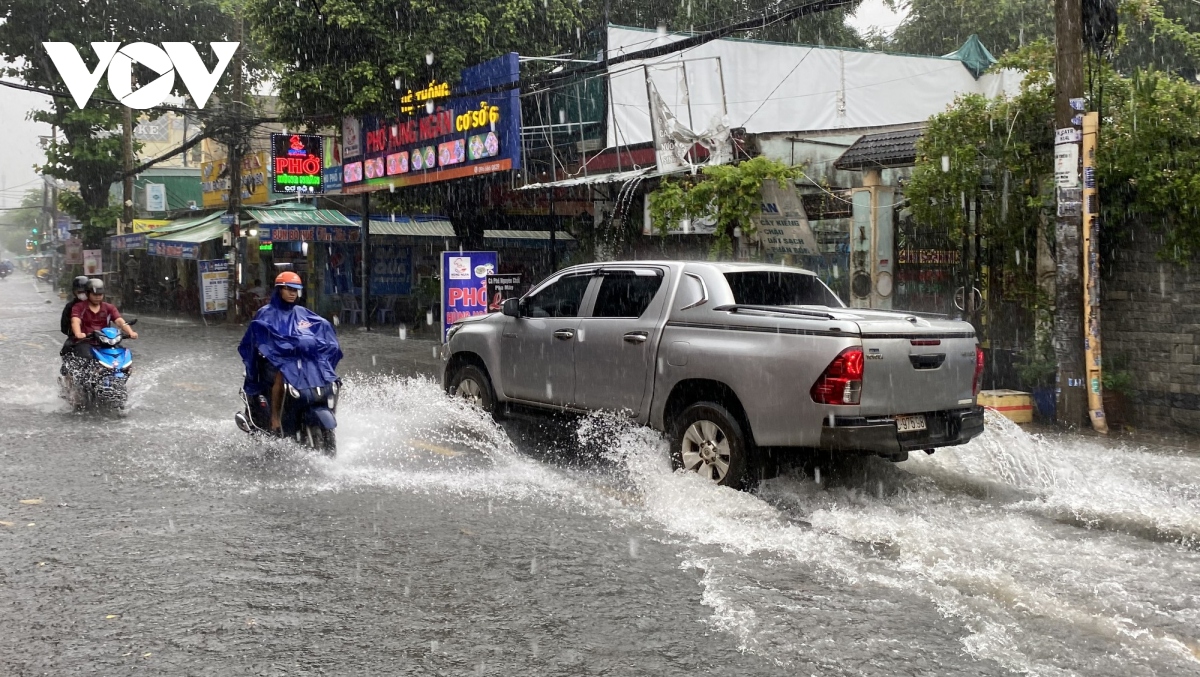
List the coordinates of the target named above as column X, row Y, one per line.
column 708, row 440
column 471, row 384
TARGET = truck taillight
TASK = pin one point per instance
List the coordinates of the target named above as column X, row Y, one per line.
column 841, row 382
column 978, row 370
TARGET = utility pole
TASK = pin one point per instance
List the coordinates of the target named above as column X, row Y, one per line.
column 127, row 183
column 234, row 160
column 1068, row 312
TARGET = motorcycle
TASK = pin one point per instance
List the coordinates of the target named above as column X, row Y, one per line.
column 309, row 415
column 103, row 381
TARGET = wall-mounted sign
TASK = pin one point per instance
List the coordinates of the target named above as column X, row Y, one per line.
column 173, row 250
column 333, row 166
column 156, row 197
column 214, row 181
column 297, row 164
column 466, row 135
column 432, row 92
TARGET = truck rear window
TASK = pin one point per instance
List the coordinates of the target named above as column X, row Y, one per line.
column 770, row 288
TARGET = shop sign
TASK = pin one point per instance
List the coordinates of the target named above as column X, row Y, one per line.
column 173, row 250
column 214, row 181
column 156, row 197
column 929, row 257
column 313, row 233
column 125, row 242
column 464, row 285
column 783, row 227
column 432, row 92
column 297, row 164
column 333, row 166
column 214, row 286
column 500, row 287
column 466, row 136
column 391, row 269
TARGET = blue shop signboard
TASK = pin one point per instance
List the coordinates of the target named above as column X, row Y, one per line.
column 173, row 250
column 464, row 285
column 465, row 135
column 391, row 269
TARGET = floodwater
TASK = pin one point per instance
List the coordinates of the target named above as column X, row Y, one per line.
column 439, row 542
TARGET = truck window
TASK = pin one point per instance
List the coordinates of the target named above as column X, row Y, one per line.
column 625, row 294
column 770, row 288
column 561, row 299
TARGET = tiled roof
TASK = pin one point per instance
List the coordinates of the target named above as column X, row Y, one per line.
column 886, row 149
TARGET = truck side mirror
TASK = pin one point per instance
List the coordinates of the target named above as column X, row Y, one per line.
column 511, row 307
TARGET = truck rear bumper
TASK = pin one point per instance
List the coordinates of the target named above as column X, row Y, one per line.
column 943, row 429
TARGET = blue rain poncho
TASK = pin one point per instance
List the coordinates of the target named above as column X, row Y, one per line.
column 293, row 340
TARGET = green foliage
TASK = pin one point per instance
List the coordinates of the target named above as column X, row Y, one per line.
column 92, row 153
column 941, row 26
column 1001, row 154
column 344, row 57
column 826, row 28
column 1038, row 368
column 730, row 193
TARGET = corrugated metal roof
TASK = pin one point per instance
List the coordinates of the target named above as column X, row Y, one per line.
column 299, row 217
column 198, row 233
column 525, row 235
column 886, row 149
column 413, row 228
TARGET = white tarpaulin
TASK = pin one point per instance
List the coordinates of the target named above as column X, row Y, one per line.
column 674, row 142
column 767, row 87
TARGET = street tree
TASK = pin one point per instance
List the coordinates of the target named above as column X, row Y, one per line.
column 92, row 155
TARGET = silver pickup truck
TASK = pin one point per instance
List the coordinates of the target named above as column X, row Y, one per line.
column 734, row 362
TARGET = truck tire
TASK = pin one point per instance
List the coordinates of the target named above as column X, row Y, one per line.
column 472, row 384
column 708, row 440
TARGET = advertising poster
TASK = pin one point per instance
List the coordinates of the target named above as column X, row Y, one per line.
column 500, row 287
column 464, row 285
column 214, row 181
column 92, row 264
column 391, row 269
column 156, row 197
column 73, row 252
column 214, row 286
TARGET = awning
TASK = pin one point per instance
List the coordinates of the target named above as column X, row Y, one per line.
column 412, row 227
column 591, row 179
column 299, row 217
column 559, row 236
column 184, row 224
column 184, row 243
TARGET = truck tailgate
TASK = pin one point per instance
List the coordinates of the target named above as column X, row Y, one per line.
column 915, row 365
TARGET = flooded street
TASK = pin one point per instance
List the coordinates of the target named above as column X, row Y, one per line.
column 165, row 541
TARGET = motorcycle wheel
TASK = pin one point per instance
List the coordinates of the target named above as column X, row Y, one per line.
column 324, row 441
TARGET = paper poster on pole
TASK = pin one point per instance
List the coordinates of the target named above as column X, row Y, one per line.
column 214, row 286
column 1066, row 165
column 92, row 262
column 464, row 285
column 74, row 252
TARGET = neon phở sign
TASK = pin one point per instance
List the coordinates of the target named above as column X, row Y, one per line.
column 297, row 164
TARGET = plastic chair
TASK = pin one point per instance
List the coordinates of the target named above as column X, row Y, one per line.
column 386, row 307
column 351, row 308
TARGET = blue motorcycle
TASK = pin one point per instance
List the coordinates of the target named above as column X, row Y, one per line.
column 103, row 381
column 309, row 415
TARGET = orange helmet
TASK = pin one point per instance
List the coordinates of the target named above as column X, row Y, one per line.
column 289, row 279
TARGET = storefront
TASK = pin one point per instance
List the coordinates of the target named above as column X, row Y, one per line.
column 172, row 282
column 316, row 243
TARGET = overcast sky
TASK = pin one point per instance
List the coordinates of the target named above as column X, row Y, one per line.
column 19, row 149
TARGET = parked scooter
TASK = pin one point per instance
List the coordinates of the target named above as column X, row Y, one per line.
column 103, row 381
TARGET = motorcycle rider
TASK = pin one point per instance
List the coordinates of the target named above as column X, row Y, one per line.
column 287, row 342
column 78, row 293
column 94, row 315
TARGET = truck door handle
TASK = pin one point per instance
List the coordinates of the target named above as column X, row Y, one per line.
column 927, row 361
column 636, row 337
column 564, row 334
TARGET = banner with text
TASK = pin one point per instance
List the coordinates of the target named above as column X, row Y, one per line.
column 464, row 285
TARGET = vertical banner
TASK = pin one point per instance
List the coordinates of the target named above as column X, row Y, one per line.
column 214, row 286
column 92, row 263
column 464, row 285
column 1091, row 275
column 500, row 287
column 156, row 197
column 74, row 252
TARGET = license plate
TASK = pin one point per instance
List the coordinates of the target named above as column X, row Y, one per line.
column 908, row 424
